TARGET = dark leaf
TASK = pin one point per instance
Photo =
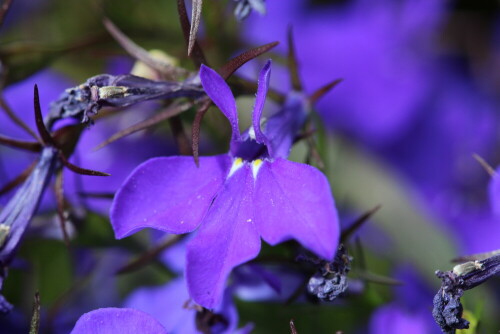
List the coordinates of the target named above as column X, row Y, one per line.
column 235, row 63
column 292, row 63
column 80, row 170
column 323, row 90
column 35, row 319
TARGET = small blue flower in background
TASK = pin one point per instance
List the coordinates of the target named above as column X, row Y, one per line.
column 234, row 199
column 244, row 7
column 117, row 320
column 409, row 312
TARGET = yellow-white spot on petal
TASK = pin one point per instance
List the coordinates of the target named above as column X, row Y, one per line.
column 251, row 133
column 256, row 164
column 237, row 164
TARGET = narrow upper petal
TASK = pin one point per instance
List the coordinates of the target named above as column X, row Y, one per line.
column 169, row 194
column 283, row 127
column 117, row 320
column 227, row 238
column 220, row 93
column 294, row 201
column 260, row 101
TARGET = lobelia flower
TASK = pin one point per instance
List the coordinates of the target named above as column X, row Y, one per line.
column 117, row 320
column 233, row 199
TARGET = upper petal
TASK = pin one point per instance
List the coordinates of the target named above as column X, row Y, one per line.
column 227, row 238
column 260, row 101
column 169, row 194
column 294, row 200
column 117, row 320
column 220, row 93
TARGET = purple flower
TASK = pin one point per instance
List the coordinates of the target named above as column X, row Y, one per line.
column 494, row 192
column 393, row 319
column 410, row 311
column 169, row 304
column 234, row 199
column 381, row 48
column 117, row 320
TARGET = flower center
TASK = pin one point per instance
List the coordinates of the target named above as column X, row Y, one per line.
column 239, row 162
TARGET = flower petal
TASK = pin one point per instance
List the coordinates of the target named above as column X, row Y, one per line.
column 294, row 201
column 220, row 93
column 226, row 238
column 494, row 192
column 260, row 100
column 283, row 127
column 169, row 194
column 117, row 320
column 167, row 304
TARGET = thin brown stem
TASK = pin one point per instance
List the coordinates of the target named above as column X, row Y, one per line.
column 170, row 111
column 59, row 191
column 12, row 115
column 149, row 256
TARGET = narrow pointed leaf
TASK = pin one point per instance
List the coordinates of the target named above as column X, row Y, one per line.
column 323, row 90
column 379, row 279
column 172, row 110
column 137, row 52
column 18, row 180
column 293, row 66
column 195, row 23
column 59, row 191
column 180, row 136
column 96, row 195
column 35, row 318
column 348, row 232
column 235, row 63
column 12, row 115
column 42, row 130
column 80, row 170
column 197, row 55
column 196, row 129
column 487, row 167
column 24, row 145
column 149, row 256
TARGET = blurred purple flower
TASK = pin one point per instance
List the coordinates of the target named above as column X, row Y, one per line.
column 117, row 320
column 170, row 304
column 410, row 311
column 381, row 48
column 235, row 198
column 392, row 319
column 494, row 192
